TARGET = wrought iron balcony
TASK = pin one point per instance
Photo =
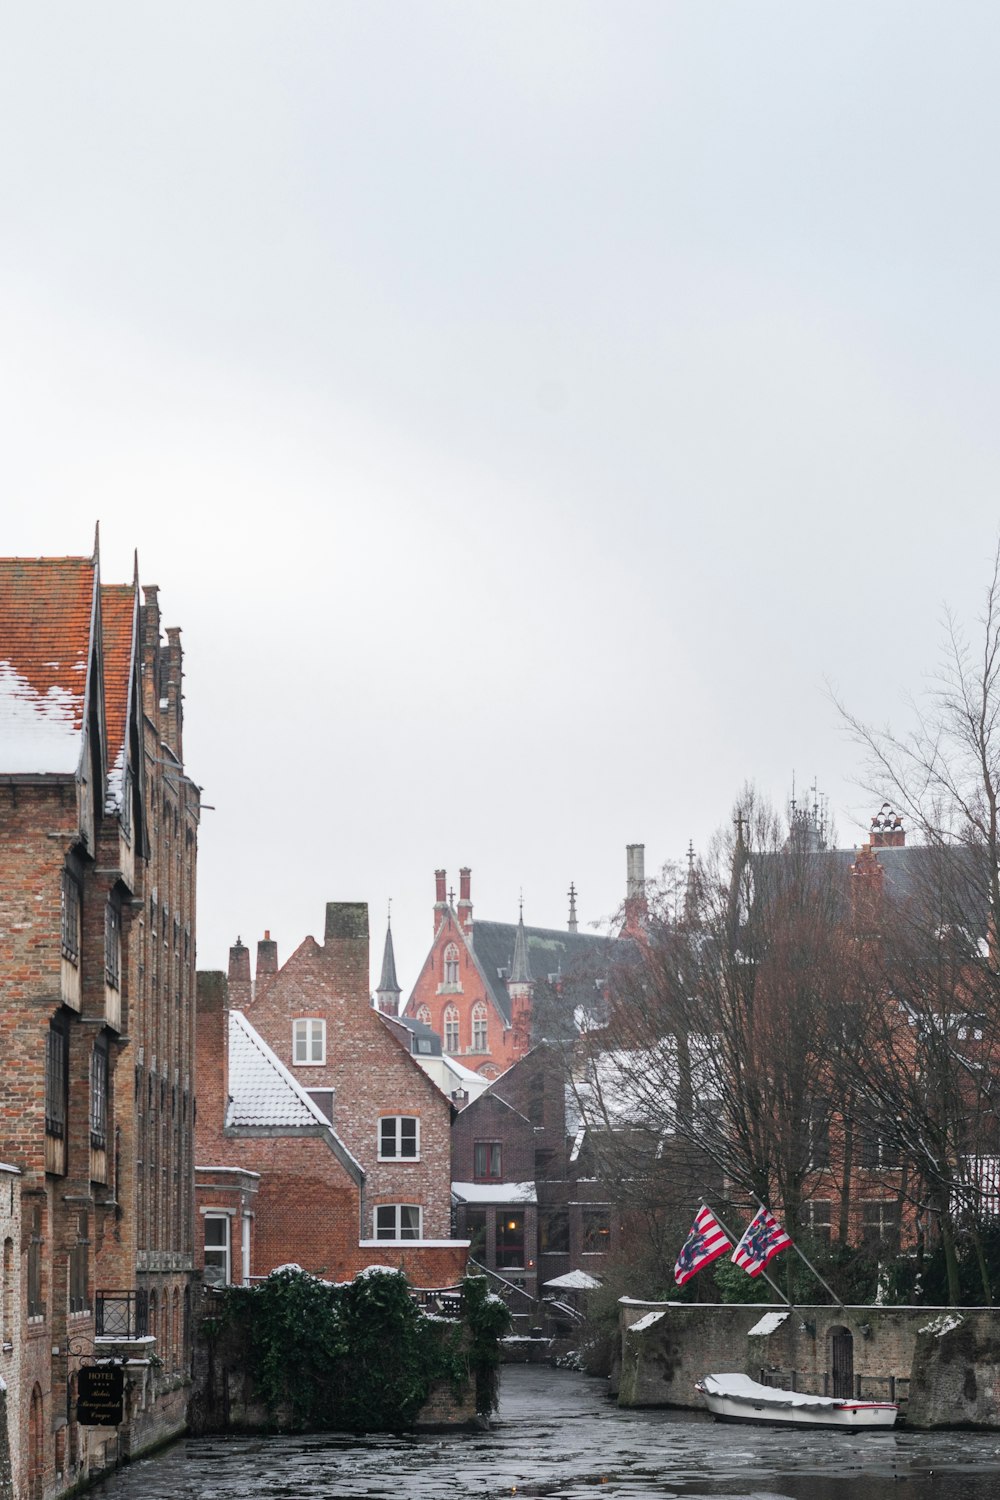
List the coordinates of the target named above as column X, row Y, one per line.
column 122, row 1315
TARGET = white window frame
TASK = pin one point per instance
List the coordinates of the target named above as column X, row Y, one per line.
column 306, row 1032
column 226, row 1248
column 397, row 1153
column 480, row 1027
column 450, row 1027
column 391, row 1215
column 246, row 1226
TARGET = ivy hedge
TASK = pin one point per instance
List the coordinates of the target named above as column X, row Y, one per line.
column 358, row 1356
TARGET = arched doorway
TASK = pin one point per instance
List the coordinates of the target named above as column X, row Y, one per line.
column 841, row 1363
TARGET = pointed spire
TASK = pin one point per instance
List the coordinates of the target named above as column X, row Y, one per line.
column 519, row 971
column 573, row 925
column 388, row 993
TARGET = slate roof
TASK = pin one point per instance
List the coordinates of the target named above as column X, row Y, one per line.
column 118, row 622
column 46, row 622
column 941, row 884
column 550, row 951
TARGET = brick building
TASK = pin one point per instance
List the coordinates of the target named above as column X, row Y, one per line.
column 350, row 1141
column 96, row 978
column 492, row 989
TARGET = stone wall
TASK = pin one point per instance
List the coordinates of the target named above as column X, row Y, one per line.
column 942, row 1366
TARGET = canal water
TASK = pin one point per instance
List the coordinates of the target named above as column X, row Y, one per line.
column 558, row 1436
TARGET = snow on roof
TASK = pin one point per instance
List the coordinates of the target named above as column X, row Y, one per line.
column 117, row 629
column 494, row 1192
column 573, row 1281
column 769, row 1323
column 263, row 1094
column 649, row 1321
column 46, row 615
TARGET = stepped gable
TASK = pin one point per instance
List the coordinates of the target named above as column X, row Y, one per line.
column 549, row 951
column 48, row 610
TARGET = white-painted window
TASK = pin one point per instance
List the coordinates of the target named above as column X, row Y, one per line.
column 451, row 965
column 399, row 1138
column 451, row 1029
column 479, row 1027
column 398, row 1221
column 217, row 1250
column 308, row 1042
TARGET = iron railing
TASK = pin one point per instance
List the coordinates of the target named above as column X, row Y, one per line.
column 122, row 1315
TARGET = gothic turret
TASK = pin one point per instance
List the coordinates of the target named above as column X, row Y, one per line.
column 387, row 995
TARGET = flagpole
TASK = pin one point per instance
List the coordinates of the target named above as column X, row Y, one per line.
column 763, row 1272
column 803, row 1257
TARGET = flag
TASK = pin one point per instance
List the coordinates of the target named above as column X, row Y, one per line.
column 706, row 1242
column 763, row 1239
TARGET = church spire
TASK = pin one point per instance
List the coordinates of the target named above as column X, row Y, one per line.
column 519, row 971
column 388, row 994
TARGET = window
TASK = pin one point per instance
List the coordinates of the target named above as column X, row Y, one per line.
column 878, row 1153
column 112, row 945
column 309, row 1042
column 79, row 1297
column 56, row 1075
column 397, row 1221
column 596, row 1230
column 818, row 1135
column 510, row 1239
column 398, row 1138
column 99, row 1096
column 475, row 1232
column 479, row 1029
column 217, row 1250
column 36, row 1307
column 880, row 1225
column 451, row 966
column 71, row 903
column 323, row 1100
column 486, row 1159
column 815, row 1219
column 450, row 1029
column 553, row 1232
column 424, row 1014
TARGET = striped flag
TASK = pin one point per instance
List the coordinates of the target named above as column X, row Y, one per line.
column 763, row 1239
column 706, row 1242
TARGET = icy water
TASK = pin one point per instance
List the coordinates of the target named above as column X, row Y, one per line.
column 558, row 1436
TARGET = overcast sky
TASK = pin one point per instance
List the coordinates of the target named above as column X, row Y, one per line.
column 525, row 409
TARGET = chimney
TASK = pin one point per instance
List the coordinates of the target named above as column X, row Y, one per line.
column 346, row 947
column 465, row 898
column 240, row 984
column 440, row 897
column 887, row 830
column 267, row 957
column 635, row 890
column 867, row 886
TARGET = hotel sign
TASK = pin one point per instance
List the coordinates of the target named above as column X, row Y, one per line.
column 100, row 1399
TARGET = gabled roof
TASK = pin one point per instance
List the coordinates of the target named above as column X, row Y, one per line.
column 48, row 608
column 549, row 952
column 265, row 1098
column 118, row 633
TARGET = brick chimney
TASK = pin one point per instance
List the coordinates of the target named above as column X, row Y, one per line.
column 887, row 829
column 465, row 899
column 635, row 890
column 240, row 984
column 867, row 889
column 440, row 898
column 267, row 957
column 346, row 947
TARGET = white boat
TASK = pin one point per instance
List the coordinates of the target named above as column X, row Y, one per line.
column 737, row 1398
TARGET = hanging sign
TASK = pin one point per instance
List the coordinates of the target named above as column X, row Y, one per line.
column 100, row 1399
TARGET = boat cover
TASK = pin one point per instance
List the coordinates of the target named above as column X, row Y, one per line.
column 742, row 1388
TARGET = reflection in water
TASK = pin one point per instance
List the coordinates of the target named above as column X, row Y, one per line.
column 559, row 1437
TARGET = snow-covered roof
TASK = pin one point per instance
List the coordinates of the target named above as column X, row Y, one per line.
column 573, row 1281
column 46, row 620
column 769, row 1323
column 494, row 1192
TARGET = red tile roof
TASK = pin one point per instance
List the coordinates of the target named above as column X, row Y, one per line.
column 46, row 613
column 117, row 630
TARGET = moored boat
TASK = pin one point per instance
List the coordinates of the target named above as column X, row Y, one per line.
column 737, row 1398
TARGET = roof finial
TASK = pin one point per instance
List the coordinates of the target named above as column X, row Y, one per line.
column 573, row 927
